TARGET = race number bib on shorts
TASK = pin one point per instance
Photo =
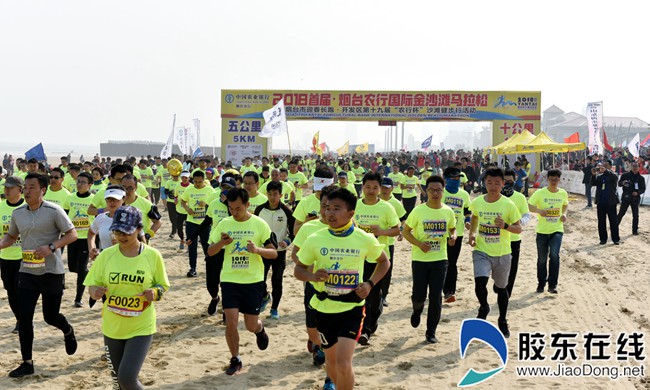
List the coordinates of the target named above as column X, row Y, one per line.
column 30, row 260
column 341, row 282
column 126, row 306
column 490, row 234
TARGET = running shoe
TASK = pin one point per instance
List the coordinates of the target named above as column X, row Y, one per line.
column 234, row 367
column 329, row 385
column 171, row 236
column 503, row 327
column 431, row 338
column 483, row 312
column 540, row 288
column 617, row 243
column 552, row 290
column 15, row 331
column 415, row 319
column 450, row 298
column 262, row 339
column 78, row 304
column 364, row 339
column 212, row 307
column 274, row 314
column 319, row 356
column 191, row 274
column 265, row 301
column 70, row 342
column 384, row 302
column 22, row 370
column 181, row 246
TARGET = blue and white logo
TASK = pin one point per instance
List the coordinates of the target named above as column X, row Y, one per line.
column 230, row 98
column 485, row 332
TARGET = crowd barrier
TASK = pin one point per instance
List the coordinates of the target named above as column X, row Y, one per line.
column 572, row 182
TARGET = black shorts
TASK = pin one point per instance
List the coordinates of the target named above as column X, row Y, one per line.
column 46, row 284
column 347, row 324
column 78, row 255
column 245, row 297
column 311, row 315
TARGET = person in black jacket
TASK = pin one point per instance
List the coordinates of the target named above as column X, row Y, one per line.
column 633, row 186
column 606, row 200
column 586, row 179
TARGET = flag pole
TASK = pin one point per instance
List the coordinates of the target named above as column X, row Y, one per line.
column 289, row 139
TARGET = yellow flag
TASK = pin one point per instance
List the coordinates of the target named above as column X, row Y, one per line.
column 343, row 150
column 315, row 146
column 362, row 148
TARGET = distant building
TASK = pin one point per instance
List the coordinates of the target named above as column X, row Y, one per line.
column 559, row 125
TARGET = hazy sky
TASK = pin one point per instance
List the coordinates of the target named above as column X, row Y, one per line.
column 85, row 72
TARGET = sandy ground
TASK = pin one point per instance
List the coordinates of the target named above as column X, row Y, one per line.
column 603, row 289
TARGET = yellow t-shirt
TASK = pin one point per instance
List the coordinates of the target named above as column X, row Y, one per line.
column 397, row 179
column 358, row 173
column 170, row 185
column 425, row 174
column 381, row 214
column 409, row 193
column 146, row 176
column 343, row 258
column 258, row 200
column 59, row 197
column 218, row 211
column 162, row 176
column 349, row 187
column 144, row 206
column 458, row 202
column 301, row 179
column 178, row 193
column 552, row 203
column 78, row 212
column 522, row 205
column 309, row 204
column 287, row 189
column 193, row 197
column 239, row 265
column 491, row 239
column 399, row 210
column 433, row 226
column 308, row 229
column 125, row 313
column 14, row 252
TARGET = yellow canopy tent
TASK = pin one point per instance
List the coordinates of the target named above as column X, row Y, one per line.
column 518, row 139
column 543, row 143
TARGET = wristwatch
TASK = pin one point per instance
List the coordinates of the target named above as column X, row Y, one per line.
column 52, row 247
column 505, row 226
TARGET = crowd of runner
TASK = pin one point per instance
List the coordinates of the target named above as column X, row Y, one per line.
column 336, row 218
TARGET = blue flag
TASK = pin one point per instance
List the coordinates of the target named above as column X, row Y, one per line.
column 197, row 153
column 427, row 143
column 36, row 152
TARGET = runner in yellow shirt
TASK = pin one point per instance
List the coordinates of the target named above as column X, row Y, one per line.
column 396, row 176
column 515, row 239
column 10, row 257
column 431, row 227
column 245, row 238
column 132, row 276
column 495, row 217
column 459, row 200
column 56, row 193
column 338, row 255
column 409, row 187
column 425, row 173
column 181, row 214
column 195, row 202
column 386, row 194
column 551, row 204
column 298, row 179
column 251, row 184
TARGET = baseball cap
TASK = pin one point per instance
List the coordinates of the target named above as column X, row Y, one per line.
column 126, row 219
column 185, row 174
column 209, row 170
column 14, row 181
column 343, row 174
column 114, row 193
column 451, row 172
column 387, row 182
column 229, row 181
column 321, row 182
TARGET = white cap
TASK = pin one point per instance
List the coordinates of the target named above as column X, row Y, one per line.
column 185, row 174
column 114, row 193
column 321, row 182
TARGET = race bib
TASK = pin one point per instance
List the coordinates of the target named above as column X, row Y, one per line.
column 199, row 213
column 341, row 282
column 127, row 306
column 81, row 223
column 30, row 260
column 366, row 229
column 491, row 234
column 552, row 215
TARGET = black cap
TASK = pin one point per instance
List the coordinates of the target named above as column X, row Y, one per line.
column 451, row 172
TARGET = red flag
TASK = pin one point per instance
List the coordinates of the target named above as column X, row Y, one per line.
column 573, row 138
column 323, row 147
column 607, row 145
column 646, row 140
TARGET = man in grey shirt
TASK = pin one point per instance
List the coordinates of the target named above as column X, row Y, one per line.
column 40, row 224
